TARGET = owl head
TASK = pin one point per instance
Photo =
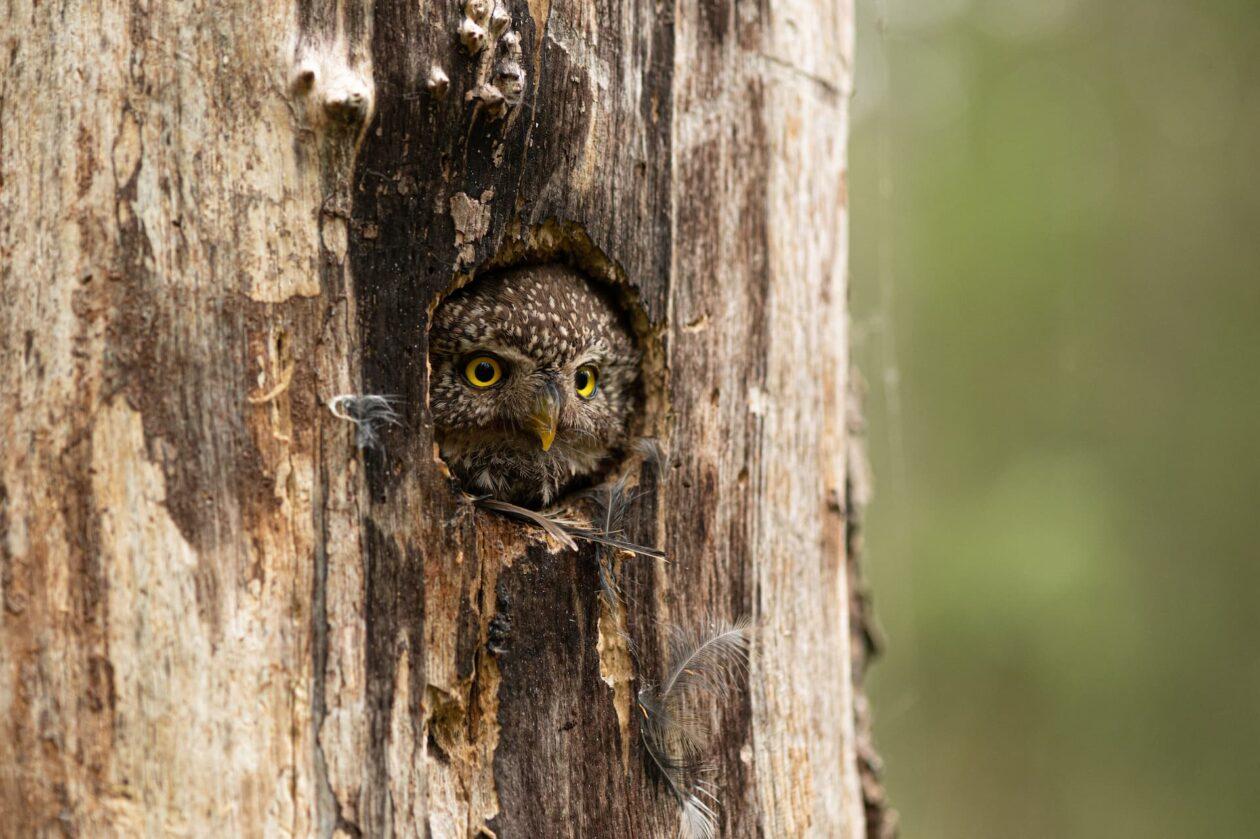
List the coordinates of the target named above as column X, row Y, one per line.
column 533, row 379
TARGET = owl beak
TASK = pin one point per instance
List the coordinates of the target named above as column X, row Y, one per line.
column 546, row 415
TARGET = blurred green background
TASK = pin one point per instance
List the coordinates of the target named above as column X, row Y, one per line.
column 1056, row 298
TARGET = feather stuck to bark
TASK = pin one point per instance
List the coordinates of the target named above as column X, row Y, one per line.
column 676, row 729
column 369, row 413
column 553, row 524
column 612, row 501
column 651, row 452
column 564, row 529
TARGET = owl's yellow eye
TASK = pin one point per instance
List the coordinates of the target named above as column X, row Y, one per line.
column 585, row 381
column 483, row 371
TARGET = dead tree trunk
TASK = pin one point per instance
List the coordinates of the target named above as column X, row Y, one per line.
column 220, row 618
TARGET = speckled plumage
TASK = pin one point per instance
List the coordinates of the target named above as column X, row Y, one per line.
column 542, row 323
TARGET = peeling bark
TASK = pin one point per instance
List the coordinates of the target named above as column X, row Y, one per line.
column 222, row 618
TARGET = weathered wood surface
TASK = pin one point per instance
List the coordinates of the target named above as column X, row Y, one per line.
column 219, row 618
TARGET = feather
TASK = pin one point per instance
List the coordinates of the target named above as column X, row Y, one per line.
column 675, row 729
column 652, row 453
column 613, row 498
column 612, row 501
column 710, row 663
column 368, row 413
column 698, row 820
column 609, row 589
column 600, row 538
column 555, row 526
column 564, row 530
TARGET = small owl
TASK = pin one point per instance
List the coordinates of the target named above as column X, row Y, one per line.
column 533, row 377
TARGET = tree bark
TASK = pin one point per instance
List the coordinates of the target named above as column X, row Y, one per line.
column 219, row 616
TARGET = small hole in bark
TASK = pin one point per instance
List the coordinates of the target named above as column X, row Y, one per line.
column 548, row 303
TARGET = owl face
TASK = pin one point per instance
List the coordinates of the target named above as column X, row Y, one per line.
column 533, row 376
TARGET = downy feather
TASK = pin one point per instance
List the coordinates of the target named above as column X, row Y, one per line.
column 368, row 412
column 675, row 725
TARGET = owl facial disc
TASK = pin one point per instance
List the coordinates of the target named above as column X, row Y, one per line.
column 534, row 376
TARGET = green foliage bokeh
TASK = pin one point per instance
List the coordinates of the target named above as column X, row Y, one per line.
column 1056, row 302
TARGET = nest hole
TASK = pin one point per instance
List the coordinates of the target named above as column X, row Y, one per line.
column 482, row 420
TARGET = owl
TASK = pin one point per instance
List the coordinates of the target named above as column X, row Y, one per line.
column 533, row 379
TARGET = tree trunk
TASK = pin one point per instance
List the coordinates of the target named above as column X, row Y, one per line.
column 220, row 617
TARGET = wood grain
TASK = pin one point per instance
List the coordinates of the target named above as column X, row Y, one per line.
column 221, row 618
